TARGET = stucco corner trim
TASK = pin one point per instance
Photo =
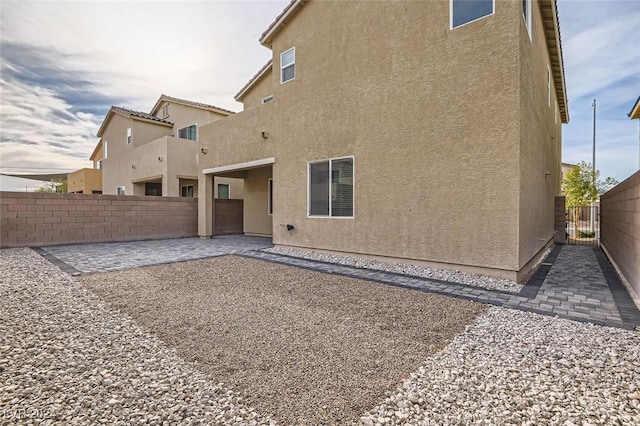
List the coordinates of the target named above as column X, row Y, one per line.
column 239, row 166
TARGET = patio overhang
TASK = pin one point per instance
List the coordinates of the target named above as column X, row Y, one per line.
column 238, row 167
column 148, row 179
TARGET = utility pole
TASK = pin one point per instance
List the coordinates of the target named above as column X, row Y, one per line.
column 593, row 205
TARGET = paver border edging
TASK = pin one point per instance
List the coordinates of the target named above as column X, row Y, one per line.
column 627, row 310
column 532, row 286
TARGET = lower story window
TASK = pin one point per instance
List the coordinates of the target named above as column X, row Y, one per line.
column 120, row 190
column 331, row 187
column 223, row 190
column 186, row 191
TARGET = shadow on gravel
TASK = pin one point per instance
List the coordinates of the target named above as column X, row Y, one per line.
column 304, row 347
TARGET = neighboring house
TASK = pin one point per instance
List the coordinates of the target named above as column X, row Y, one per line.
column 156, row 153
column 635, row 111
column 426, row 131
column 85, row 181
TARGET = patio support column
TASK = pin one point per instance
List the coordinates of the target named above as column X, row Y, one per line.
column 205, row 205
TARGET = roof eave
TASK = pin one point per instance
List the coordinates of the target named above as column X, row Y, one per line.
column 167, row 98
column 279, row 22
column 95, row 150
column 635, row 111
column 550, row 21
column 254, row 80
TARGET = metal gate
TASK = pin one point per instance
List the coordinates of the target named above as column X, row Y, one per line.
column 583, row 225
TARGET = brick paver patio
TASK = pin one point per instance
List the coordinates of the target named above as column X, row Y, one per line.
column 574, row 282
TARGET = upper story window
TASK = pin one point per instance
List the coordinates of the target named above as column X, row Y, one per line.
column 120, row 190
column 105, row 149
column 129, row 136
column 165, row 111
column 99, row 165
column 465, row 11
column 189, row 132
column 288, row 65
column 526, row 14
column 331, row 188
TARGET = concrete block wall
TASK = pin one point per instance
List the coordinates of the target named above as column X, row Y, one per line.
column 228, row 217
column 620, row 228
column 39, row 219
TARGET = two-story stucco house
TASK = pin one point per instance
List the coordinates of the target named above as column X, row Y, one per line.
column 155, row 153
column 425, row 131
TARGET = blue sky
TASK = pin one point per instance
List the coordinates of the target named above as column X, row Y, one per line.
column 65, row 63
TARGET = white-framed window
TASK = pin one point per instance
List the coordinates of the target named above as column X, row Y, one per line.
column 223, row 191
column 270, row 197
column 267, row 99
column 548, row 86
column 120, row 190
column 186, row 191
column 189, row 132
column 99, row 165
column 555, row 113
column 165, row 111
column 129, row 136
column 288, row 65
column 463, row 12
column 105, row 149
column 331, row 187
column 526, row 14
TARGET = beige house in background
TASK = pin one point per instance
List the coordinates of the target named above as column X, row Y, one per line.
column 156, row 153
column 425, row 131
column 85, row 181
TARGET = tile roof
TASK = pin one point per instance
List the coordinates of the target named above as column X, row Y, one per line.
column 165, row 98
column 253, row 80
column 130, row 114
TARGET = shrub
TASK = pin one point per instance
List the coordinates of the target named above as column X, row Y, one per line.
column 586, row 234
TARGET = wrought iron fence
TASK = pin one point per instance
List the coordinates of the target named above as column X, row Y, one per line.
column 583, row 225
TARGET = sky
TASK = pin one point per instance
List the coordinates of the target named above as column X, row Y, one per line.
column 63, row 64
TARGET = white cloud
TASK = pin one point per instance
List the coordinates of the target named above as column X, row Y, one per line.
column 71, row 60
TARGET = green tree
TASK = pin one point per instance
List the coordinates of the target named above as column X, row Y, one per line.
column 55, row 186
column 582, row 187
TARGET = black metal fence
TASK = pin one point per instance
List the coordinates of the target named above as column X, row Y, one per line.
column 583, row 225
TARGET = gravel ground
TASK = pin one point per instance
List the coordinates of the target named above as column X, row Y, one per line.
column 304, row 347
column 308, row 348
column 404, row 268
column 67, row 358
column 514, row 367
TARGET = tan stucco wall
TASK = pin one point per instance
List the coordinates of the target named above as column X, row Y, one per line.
column 257, row 220
column 116, row 168
column 144, row 132
column 431, row 115
column 236, row 187
column 85, row 180
column 259, row 91
column 540, row 146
